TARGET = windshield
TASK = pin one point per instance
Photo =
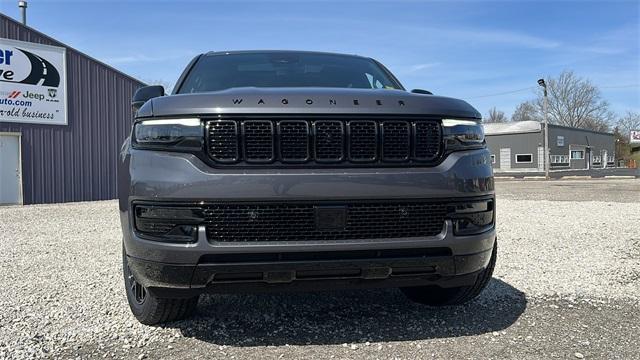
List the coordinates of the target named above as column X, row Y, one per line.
column 285, row 69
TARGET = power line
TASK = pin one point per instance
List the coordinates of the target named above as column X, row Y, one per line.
column 503, row 93
column 619, row 86
column 533, row 87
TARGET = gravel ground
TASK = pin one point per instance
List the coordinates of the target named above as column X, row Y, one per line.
column 567, row 285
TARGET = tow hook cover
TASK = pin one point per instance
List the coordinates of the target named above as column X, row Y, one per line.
column 274, row 277
column 382, row 272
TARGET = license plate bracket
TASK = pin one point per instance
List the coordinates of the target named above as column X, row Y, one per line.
column 331, row 218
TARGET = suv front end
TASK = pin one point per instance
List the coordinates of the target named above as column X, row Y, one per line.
column 270, row 189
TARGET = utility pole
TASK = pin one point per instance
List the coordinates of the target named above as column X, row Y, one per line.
column 23, row 10
column 546, row 129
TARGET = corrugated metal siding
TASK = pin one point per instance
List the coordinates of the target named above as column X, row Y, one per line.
column 76, row 162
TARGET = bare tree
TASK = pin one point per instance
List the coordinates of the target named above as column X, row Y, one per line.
column 575, row 102
column 630, row 121
column 527, row 111
column 495, row 116
column 168, row 86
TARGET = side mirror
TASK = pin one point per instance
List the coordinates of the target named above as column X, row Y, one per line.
column 420, row 91
column 146, row 93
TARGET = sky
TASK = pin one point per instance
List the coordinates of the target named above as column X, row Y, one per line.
column 488, row 53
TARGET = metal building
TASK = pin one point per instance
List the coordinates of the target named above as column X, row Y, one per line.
column 519, row 146
column 75, row 159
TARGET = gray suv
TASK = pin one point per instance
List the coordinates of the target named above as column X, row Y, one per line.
column 291, row 170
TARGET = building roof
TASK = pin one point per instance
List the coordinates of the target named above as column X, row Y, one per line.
column 524, row 127
column 517, row 127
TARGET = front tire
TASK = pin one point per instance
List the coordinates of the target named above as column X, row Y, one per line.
column 437, row 296
column 150, row 309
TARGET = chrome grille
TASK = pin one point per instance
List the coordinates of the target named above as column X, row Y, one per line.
column 324, row 142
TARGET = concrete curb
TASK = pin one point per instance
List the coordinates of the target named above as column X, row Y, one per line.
column 568, row 177
column 576, row 177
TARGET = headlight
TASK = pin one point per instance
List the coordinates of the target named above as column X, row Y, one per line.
column 462, row 134
column 173, row 134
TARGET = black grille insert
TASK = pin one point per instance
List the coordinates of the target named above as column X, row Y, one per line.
column 223, row 140
column 363, row 140
column 297, row 222
column 258, row 140
column 329, row 136
column 294, row 141
column 427, row 140
column 395, row 140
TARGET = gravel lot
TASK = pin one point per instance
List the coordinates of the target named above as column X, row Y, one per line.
column 567, row 285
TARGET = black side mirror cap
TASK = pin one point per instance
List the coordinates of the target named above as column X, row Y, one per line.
column 420, row 91
column 144, row 94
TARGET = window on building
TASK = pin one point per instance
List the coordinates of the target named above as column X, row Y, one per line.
column 493, row 159
column 577, row 154
column 597, row 159
column 560, row 140
column 524, row 158
column 610, row 159
column 559, row 159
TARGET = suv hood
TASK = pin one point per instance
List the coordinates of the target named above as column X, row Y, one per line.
column 252, row 100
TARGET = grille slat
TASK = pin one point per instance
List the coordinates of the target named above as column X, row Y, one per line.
column 427, row 140
column 258, row 140
column 294, row 140
column 296, row 222
column 303, row 142
column 395, row 141
column 363, row 140
column 329, row 140
column 223, row 140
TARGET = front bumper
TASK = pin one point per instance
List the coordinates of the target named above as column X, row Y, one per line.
column 184, row 268
column 445, row 260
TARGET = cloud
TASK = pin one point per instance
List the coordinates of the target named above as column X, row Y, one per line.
column 142, row 58
column 418, row 67
column 130, row 59
column 497, row 36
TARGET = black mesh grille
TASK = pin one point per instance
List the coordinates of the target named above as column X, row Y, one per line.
column 395, row 143
column 294, row 140
column 258, row 140
column 297, row 222
column 223, row 140
column 427, row 140
column 329, row 137
column 363, row 140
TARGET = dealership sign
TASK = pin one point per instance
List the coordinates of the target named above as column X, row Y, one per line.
column 33, row 83
column 635, row 137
